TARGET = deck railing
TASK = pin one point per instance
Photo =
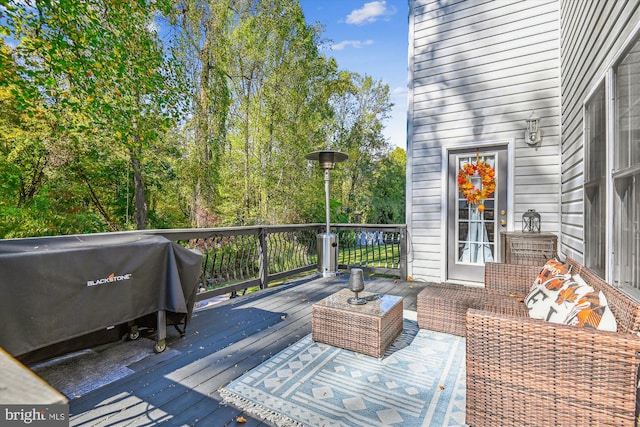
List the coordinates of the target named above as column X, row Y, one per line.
column 238, row 258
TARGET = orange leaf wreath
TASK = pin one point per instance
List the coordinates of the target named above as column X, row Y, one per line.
column 488, row 178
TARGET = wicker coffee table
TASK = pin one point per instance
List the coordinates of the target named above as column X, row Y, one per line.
column 368, row 329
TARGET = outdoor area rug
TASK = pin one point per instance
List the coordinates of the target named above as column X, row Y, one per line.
column 419, row 382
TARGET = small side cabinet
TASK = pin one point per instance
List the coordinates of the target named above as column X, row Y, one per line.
column 528, row 248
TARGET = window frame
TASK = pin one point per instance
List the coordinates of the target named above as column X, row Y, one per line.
column 599, row 182
column 618, row 174
column 613, row 225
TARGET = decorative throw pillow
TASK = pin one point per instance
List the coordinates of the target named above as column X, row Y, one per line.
column 545, row 289
column 568, row 296
column 548, row 301
column 552, row 268
column 592, row 311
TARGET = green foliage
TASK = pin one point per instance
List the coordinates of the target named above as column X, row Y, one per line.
column 96, row 74
column 46, row 215
column 387, row 200
column 164, row 114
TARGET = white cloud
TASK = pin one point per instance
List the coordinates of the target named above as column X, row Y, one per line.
column 399, row 92
column 353, row 43
column 370, row 13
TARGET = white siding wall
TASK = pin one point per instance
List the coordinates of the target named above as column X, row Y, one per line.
column 593, row 35
column 477, row 69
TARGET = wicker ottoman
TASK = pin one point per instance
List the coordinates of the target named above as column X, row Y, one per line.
column 368, row 329
column 443, row 308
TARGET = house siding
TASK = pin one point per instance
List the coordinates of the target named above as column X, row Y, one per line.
column 594, row 33
column 477, row 69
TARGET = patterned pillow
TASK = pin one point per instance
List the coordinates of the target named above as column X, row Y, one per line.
column 592, row 311
column 547, row 301
column 552, row 268
column 545, row 289
column 571, row 292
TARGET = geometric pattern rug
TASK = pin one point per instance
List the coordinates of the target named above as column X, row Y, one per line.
column 420, row 381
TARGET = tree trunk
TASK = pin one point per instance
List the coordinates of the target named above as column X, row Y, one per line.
column 198, row 209
column 247, row 146
column 140, row 202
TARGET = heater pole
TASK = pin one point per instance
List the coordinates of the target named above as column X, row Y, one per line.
column 326, row 199
column 327, row 241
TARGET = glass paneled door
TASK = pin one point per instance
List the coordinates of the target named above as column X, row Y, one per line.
column 477, row 211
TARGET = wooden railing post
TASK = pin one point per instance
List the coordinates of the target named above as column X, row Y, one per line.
column 403, row 253
column 264, row 259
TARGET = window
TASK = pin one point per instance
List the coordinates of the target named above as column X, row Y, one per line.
column 612, row 174
column 595, row 181
column 626, row 170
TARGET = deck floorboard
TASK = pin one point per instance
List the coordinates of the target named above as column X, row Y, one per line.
column 222, row 341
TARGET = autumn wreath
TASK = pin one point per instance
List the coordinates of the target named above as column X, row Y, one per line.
column 488, row 178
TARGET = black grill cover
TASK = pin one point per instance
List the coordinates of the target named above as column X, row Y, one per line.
column 56, row 288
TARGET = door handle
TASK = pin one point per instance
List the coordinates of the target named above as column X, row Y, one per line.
column 503, row 222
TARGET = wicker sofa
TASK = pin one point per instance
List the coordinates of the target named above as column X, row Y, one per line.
column 528, row 372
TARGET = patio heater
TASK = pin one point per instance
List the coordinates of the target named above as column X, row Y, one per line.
column 327, row 241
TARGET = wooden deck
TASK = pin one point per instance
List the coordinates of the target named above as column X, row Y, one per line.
column 180, row 386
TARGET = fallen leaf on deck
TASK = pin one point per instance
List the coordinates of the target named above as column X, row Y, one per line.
column 241, row 419
column 441, row 387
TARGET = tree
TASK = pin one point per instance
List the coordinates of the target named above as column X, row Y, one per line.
column 387, row 201
column 173, row 113
column 203, row 38
column 279, row 106
column 361, row 105
column 105, row 81
column 24, row 135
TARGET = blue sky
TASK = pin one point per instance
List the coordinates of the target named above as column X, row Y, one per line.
column 369, row 37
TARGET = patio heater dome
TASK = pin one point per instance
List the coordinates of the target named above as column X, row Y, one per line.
column 327, row 241
column 327, row 159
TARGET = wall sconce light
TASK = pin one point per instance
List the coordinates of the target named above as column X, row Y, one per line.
column 533, row 134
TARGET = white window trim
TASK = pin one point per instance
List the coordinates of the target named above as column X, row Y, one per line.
column 606, row 81
column 610, row 109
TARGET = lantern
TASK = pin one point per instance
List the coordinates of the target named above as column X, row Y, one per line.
column 531, row 221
